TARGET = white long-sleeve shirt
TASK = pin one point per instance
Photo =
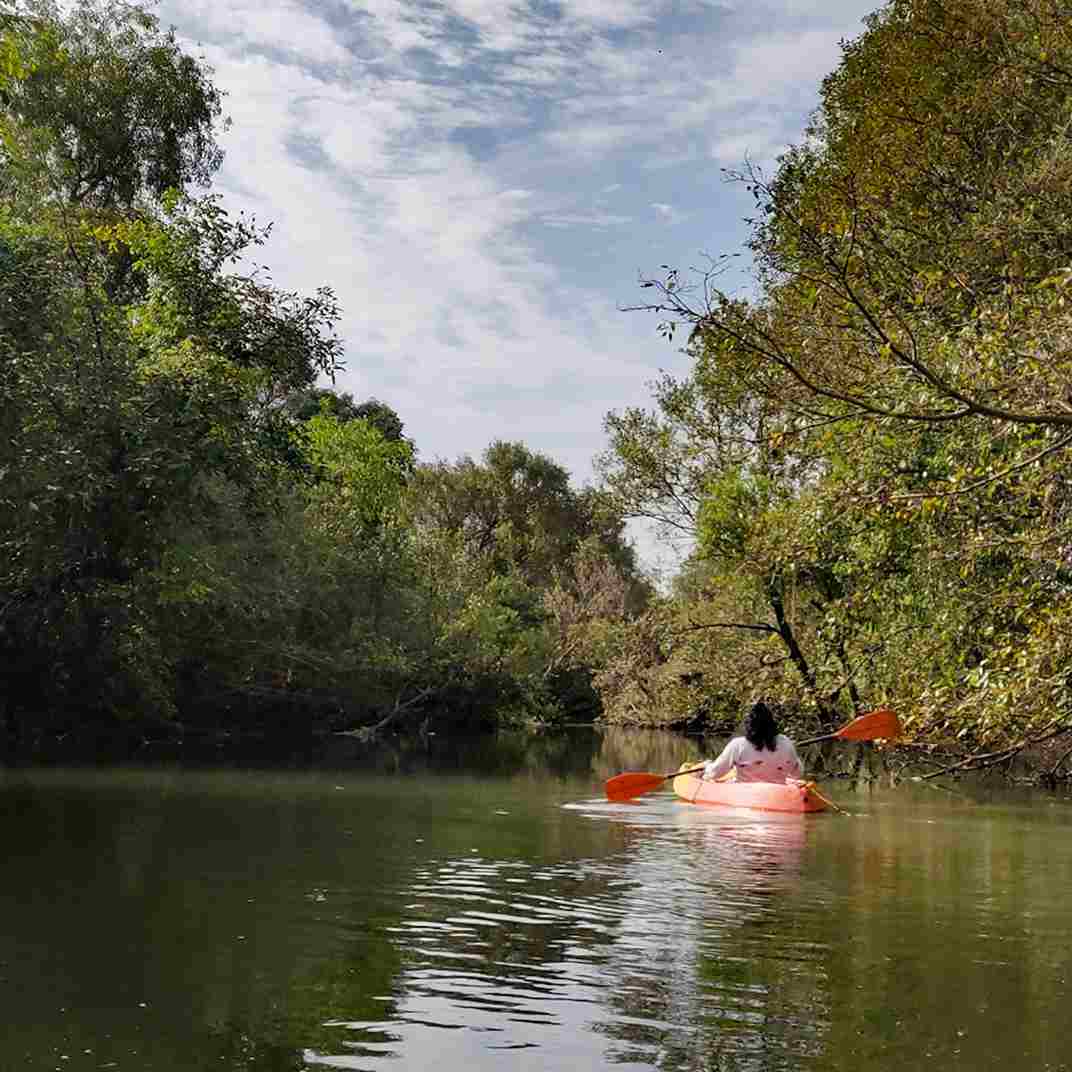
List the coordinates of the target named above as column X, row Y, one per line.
column 756, row 764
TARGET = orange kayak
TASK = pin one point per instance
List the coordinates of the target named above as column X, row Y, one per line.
column 763, row 796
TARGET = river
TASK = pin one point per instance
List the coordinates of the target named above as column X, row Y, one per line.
column 481, row 907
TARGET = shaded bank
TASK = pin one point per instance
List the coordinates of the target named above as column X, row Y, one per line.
column 598, row 751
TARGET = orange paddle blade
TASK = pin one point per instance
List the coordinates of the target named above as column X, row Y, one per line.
column 627, row 786
column 879, row 724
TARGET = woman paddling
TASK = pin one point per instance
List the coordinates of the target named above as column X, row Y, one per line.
column 761, row 755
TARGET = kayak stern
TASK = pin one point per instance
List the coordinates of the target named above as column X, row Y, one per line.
column 790, row 796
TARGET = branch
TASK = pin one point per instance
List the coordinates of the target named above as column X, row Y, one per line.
column 1051, row 774
column 775, row 354
column 980, row 761
column 1052, row 449
column 366, row 733
column 837, row 279
column 692, row 627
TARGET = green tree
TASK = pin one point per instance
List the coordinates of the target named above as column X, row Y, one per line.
column 126, row 404
column 316, row 400
column 511, row 559
column 911, row 252
column 114, row 107
column 908, row 338
column 518, row 508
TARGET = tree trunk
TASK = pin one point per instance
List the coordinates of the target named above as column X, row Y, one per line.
column 796, row 656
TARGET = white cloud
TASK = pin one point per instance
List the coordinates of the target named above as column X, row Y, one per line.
column 668, row 213
column 788, row 61
column 284, row 26
column 363, row 141
column 581, row 219
column 617, row 13
column 407, row 245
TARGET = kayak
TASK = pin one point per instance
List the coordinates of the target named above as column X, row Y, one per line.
column 791, row 795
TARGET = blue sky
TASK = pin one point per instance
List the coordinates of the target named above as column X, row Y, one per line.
column 482, row 182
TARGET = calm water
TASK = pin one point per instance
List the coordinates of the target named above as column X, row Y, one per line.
column 492, row 912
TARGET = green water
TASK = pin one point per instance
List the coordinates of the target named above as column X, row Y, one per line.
column 486, row 910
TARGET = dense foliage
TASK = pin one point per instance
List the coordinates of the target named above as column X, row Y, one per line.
column 867, row 457
column 192, row 531
column 871, row 451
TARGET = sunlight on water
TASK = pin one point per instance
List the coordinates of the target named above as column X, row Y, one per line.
column 594, row 961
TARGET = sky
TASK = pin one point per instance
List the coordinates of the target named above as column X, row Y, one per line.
column 483, row 183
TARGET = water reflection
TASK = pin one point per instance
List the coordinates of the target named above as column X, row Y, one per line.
column 658, row 956
column 498, row 955
column 252, row 921
column 725, row 965
column 761, row 851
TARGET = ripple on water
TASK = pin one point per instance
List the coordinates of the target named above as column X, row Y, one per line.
column 612, row 962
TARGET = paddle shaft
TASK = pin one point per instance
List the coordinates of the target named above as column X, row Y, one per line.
column 881, row 722
column 688, row 770
column 816, row 740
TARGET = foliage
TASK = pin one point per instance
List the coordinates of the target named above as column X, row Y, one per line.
column 868, row 451
column 517, row 560
column 310, row 402
column 517, row 507
column 192, row 527
column 137, row 372
column 116, row 108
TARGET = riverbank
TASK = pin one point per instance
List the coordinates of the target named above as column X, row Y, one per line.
column 297, row 740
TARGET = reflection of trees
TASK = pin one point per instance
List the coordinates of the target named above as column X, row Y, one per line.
column 650, row 750
column 982, row 986
column 554, row 924
column 234, row 921
column 237, row 1047
column 175, row 915
column 503, row 753
column 267, row 920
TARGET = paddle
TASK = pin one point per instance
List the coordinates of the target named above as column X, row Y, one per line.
column 881, row 723
column 634, row 783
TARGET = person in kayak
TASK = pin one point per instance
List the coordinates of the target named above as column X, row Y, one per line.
column 761, row 755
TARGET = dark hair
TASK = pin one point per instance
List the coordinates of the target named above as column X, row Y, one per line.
column 760, row 727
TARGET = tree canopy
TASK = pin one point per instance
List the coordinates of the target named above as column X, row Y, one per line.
column 867, row 456
column 191, row 525
column 110, row 102
column 869, row 450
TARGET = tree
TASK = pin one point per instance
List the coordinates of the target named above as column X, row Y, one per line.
column 365, row 472
column 712, row 463
column 315, row 400
column 188, row 524
column 141, row 376
column 115, row 108
column 509, row 559
column 517, row 508
column 381, row 417
column 907, row 345
column 911, row 253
